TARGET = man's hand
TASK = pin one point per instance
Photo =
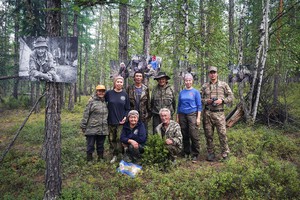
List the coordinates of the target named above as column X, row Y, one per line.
column 218, row 102
column 209, row 101
column 83, row 130
column 169, row 141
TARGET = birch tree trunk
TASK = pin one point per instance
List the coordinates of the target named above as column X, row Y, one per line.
column 256, row 67
column 265, row 46
column 240, row 63
column 231, row 31
column 53, row 180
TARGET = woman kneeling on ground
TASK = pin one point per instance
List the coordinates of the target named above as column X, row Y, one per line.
column 133, row 137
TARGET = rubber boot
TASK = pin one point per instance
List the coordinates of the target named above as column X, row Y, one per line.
column 100, row 156
column 89, row 157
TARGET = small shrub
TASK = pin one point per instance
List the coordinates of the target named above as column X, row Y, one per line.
column 156, row 152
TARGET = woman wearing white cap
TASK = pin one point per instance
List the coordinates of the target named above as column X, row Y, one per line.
column 133, row 136
column 118, row 108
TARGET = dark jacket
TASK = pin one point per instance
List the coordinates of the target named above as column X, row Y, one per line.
column 138, row 133
column 144, row 105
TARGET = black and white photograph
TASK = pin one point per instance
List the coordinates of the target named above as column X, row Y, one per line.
column 51, row 59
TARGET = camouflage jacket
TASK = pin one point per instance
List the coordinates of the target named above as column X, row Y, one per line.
column 219, row 90
column 163, row 97
column 38, row 67
column 173, row 132
column 144, row 105
column 94, row 119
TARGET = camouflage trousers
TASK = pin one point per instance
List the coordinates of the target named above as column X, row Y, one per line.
column 114, row 138
column 210, row 121
column 173, row 151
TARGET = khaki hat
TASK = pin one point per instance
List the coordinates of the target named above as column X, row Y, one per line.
column 40, row 42
column 100, row 87
column 212, row 68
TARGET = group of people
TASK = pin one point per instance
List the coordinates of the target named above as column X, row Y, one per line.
column 124, row 116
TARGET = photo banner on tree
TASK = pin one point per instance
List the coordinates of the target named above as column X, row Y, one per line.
column 51, row 59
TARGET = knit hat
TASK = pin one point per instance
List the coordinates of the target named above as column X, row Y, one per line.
column 118, row 77
column 188, row 76
column 133, row 112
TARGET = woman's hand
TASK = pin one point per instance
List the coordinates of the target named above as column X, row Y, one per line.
column 198, row 122
column 133, row 143
column 123, row 120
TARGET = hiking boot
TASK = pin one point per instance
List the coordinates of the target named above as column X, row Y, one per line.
column 210, row 157
column 194, row 159
column 100, row 157
column 187, row 156
column 89, row 157
column 225, row 158
column 113, row 160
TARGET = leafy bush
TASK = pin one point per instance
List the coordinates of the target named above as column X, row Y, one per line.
column 156, row 152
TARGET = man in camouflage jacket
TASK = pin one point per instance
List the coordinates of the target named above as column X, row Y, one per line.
column 139, row 98
column 94, row 123
column 162, row 97
column 214, row 95
column 171, row 132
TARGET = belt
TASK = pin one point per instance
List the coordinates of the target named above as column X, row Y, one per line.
column 214, row 110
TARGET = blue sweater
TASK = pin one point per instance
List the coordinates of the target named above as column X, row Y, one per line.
column 138, row 133
column 189, row 101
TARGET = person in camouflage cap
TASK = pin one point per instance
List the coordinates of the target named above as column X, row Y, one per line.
column 162, row 97
column 171, row 132
column 94, row 123
column 215, row 94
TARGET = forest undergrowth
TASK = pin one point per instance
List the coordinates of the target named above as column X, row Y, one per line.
column 264, row 164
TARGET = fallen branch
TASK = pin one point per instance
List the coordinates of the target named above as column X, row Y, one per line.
column 21, row 127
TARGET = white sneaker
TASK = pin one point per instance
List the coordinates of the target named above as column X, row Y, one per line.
column 113, row 160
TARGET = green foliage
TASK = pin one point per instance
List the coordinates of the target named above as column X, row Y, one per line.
column 156, row 152
column 264, row 164
column 13, row 103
